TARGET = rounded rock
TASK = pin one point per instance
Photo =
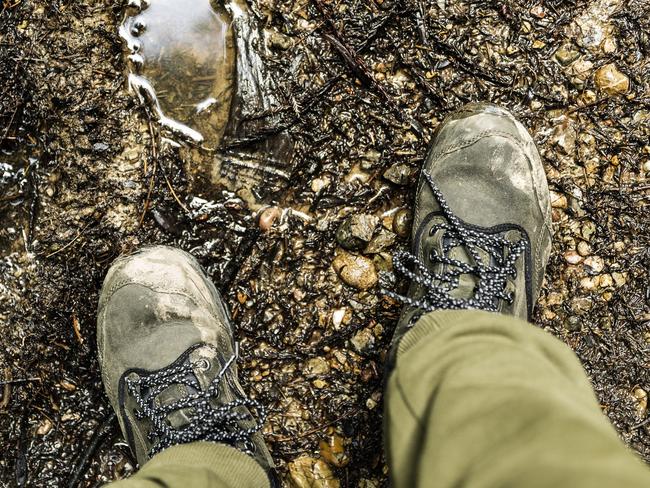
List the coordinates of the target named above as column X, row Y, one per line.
column 356, row 271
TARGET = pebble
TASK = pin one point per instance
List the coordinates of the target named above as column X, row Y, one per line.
column 558, row 200
column 573, row 323
column 268, row 217
column 381, row 242
column 606, row 281
column 590, row 283
column 641, row 397
column 363, row 340
column 333, row 451
column 356, row 271
column 611, row 81
column 564, row 138
column 572, row 257
column 619, row 278
column 584, row 249
column 594, row 264
column 316, row 366
column 566, row 55
column 398, row 173
column 588, row 230
column 338, row 317
column 356, row 231
column 402, row 222
column 308, row 472
column 44, row 427
column 581, row 305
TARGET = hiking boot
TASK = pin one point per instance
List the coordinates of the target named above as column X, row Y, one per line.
column 482, row 221
column 169, row 360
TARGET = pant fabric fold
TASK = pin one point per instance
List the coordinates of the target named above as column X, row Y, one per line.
column 478, row 400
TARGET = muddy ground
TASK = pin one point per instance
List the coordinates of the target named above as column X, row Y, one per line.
column 362, row 86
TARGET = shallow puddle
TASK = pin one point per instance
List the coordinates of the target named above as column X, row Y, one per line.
column 199, row 70
column 181, row 64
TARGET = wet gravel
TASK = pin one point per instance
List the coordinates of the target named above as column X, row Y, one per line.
column 361, row 86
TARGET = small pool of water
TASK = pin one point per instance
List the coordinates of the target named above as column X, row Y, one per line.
column 181, row 64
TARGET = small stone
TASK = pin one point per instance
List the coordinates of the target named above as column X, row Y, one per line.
column 308, row 472
column 619, row 278
column 100, row 147
column 320, row 384
column 363, row 340
column 564, row 138
column 268, row 217
column 588, row 230
column 594, row 264
column 356, row 231
column 333, row 451
column 356, row 271
column 44, row 427
column 611, row 81
column 538, row 44
column 590, row 283
column 338, row 317
column 402, row 222
column 558, row 200
column 606, row 281
column 317, row 184
column 641, row 397
column 581, row 305
column 584, row 249
column 566, row 55
column 572, row 257
column 573, row 323
column 538, row 11
column 381, row 242
column 398, row 173
column 316, row 366
column 619, row 246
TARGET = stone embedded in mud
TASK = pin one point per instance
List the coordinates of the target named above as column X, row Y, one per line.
column 402, row 222
column 566, row 54
column 356, row 271
column 594, row 264
column 381, row 242
column 332, row 450
column 611, row 81
column 398, row 174
column 268, row 217
column 363, row 340
column 356, row 231
column 308, row 472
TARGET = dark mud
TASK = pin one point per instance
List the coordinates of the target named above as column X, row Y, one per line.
column 361, row 86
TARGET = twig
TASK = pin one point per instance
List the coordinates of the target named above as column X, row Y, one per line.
column 79, row 234
column 84, row 460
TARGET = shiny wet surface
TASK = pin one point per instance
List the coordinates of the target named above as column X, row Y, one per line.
column 181, row 56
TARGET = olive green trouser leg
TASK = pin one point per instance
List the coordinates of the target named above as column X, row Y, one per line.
column 198, row 465
column 478, row 399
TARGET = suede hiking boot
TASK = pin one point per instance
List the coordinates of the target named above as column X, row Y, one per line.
column 169, row 360
column 482, row 221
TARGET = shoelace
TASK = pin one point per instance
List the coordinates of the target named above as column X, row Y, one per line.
column 208, row 422
column 492, row 278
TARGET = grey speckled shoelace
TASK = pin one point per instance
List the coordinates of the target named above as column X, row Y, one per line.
column 209, row 421
column 492, row 277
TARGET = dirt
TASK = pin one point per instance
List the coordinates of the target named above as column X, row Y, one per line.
column 359, row 88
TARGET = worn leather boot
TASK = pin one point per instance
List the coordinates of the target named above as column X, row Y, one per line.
column 169, row 360
column 482, row 221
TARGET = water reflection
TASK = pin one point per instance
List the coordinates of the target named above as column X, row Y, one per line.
column 182, row 65
column 199, row 70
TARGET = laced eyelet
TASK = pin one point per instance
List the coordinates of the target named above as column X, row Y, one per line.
column 202, row 365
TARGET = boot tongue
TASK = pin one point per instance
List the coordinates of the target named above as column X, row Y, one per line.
column 466, row 282
column 204, row 369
